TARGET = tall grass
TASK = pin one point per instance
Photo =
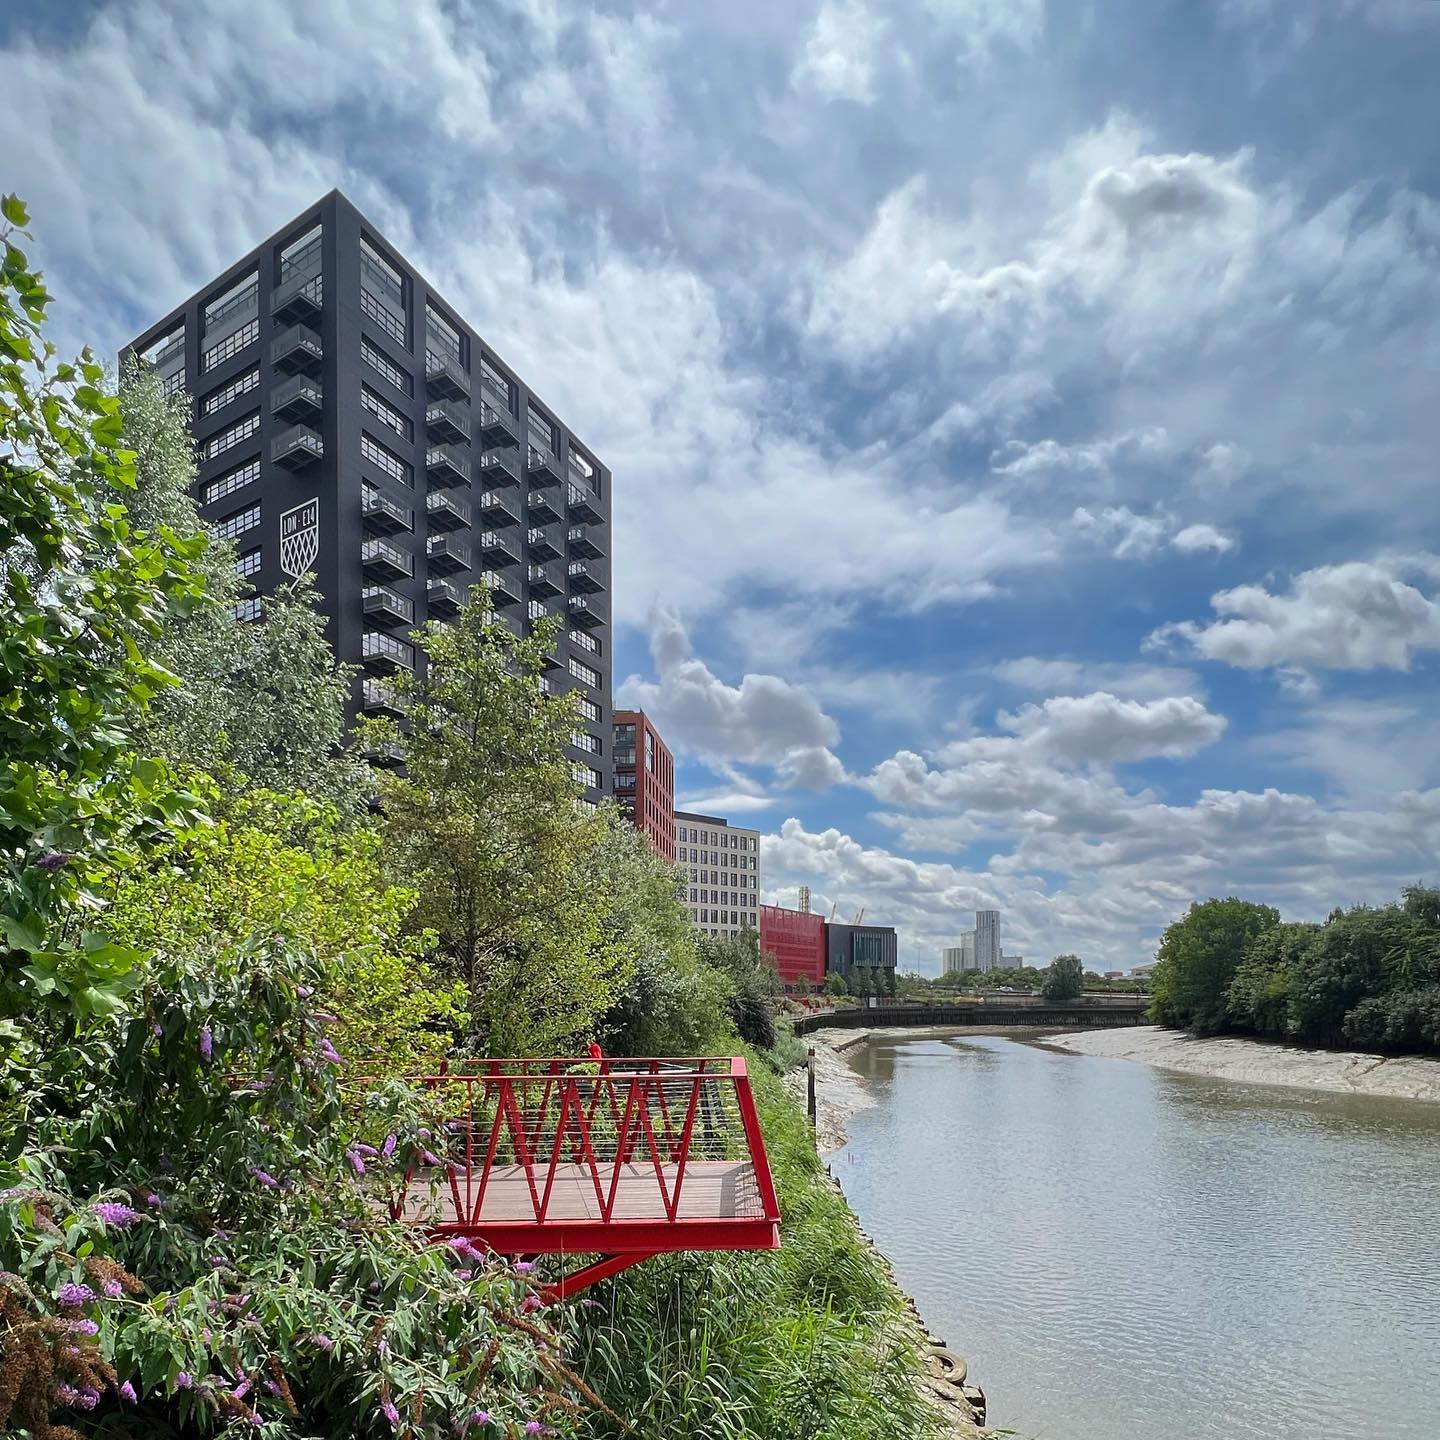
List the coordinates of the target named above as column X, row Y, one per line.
column 809, row 1343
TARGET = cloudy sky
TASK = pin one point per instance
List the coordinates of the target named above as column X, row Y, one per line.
column 1024, row 415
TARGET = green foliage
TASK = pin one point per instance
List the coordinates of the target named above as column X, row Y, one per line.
column 1198, row 957
column 806, row 1341
column 835, row 984
column 1064, row 978
column 487, row 826
column 80, row 590
column 1260, row 995
column 755, row 983
column 284, row 866
column 265, row 702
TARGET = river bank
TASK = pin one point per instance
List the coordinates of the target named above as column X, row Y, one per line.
column 1261, row 1062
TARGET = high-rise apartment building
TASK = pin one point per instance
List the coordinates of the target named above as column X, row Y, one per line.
column 722, row 862
column 645, row 780
column 987, row 940
column 350, row 423
column 961, row 957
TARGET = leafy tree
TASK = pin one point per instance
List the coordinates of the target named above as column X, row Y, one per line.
column 487, row 826
column 1064, row 978
column 835, row 984
column 755, row 983
column 263, row 701
column 79, row 589
column 1198, row 957
column 1259, row 996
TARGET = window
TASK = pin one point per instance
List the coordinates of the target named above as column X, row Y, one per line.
column 301, row 257
column 440, row 335
column 587, row 641
column 230, row 482
column 542, row 432
column 248, row 564
column 238, row 523
column 382, row 364
column 386, row 460
column 582, row 468
column 391, row 324
column 584, row 740
column 248, row 609
column 241, row 385
column 684, row 832
column 649, row 750
column 589, row 709
column 174, row 384
column 582, row 672
column 379, row 276
column 232, row 344
column 386, row 414
column 226, row 439
column 169, row 347
column 586, row 776
column 497, row 383
column 240, row 300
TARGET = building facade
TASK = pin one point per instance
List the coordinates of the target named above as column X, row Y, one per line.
column 863, row 954
column 351, row 424
column 722, row 865
column 987, row 939
column 794, row 942
column 961, row 957
column 645, row 780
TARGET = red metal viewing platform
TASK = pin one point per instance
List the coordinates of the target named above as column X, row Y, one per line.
column 615, row 1159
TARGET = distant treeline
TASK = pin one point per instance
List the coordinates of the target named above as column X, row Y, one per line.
column 1367, row 977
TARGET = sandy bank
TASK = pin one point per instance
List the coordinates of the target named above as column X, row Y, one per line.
column 1261, row 1062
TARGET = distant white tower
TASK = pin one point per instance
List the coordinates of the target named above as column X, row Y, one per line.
column 987, row 940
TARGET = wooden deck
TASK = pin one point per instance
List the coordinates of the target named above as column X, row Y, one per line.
column 710, row 1190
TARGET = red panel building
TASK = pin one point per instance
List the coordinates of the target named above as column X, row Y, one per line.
column 645, row 780
column 794, row 942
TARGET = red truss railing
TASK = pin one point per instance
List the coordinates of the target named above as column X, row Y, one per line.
column 623, row 1159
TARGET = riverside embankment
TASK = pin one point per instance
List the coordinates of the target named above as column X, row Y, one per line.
column 1261, row 1062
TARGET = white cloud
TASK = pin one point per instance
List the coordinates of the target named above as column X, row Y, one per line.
column 1122, row 531
column 838, row 60
column 1132, row 680
column 1103, row 729
column 1356, row 616
column 764, row 720
column 1194, row 539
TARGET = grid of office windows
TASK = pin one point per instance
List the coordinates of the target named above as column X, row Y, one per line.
column 392, row 325
column 386, row 414
column 584, row 673
column 585, row 641
column 228, row 439
column 242, row 298
column 240, row 385
column 382, row 364
column 386, row 460
column 238, row 523
column 723, row 866
column 248, row 609
column 440, row 335
column 230, row 482
column 498, row 384
column 232, row 344
column 583, row 470
column 174, row 384
column 584, row 740
column 589, row 709
column 301, row 257
column 248, row 563
column 382, row 292
column 586, row 776
column 542, row 431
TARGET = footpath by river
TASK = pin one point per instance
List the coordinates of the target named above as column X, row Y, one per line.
column 1154, row 1251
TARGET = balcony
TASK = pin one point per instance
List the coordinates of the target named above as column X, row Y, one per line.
column 542, row 467
column 383, row 560
column 445, row 554
column 297, row 448
column 584, row 505
column 543, row 542
column 498, row 549
column 448, row 421
column 541, row 509
column 499, row 467
column 503, row 590
column 445, row 377
column 544, row 581
column 299, row 398
column 297, row 351
column 448, row 465
column 591, row 611
column 445, row 512
column 378, row 698
column 498, row 509
column 388, row 753
column 444, row 596
column 388, row 606
column 383, row 514
column 298, row 300
column 582, row 542
column 585, row 577
column 497, row 426
column 385, row 653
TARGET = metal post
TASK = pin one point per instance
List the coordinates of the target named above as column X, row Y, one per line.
column 810, row 1085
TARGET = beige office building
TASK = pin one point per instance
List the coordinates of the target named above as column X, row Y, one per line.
column 722, row 868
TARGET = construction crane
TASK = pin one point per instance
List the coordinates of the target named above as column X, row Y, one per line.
column 833, row 904
column 859, row 916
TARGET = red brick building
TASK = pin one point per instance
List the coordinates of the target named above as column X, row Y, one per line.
column 645, row 780
column 794, row 941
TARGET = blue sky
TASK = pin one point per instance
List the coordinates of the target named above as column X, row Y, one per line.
column 1023, row 415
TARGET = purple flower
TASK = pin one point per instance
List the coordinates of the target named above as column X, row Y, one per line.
column 304, row 991
column 388, row 1148
column 524, row 1267
column 88, row 1399
column 207, row 1042
column 534, row 1427
column 157, row 1031
column 529, row 1304
column 388, row 1410
column 356, row 1163
column 52, row 860
column 83, row 1327
column 373, row 1286
column 154, row 1201
column 590, row 1304
column 241, row 1390
column 66, row 1394
column 266, row 1179
column 382, row 1349
column 366, row 1150
column 324, row 1342
column 72, row 1294
column 127, row 1393
column 326, row 1019
column 330, row 1053
column 115, row 1215
column 480, row 1417
column 183, row 1380
column 426, row 1158
column 269, row 1387
column 113, row 1289
column 463, row 1274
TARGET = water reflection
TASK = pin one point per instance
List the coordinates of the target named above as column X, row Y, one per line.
column 1126, row 1253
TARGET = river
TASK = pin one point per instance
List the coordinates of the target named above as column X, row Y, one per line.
column 1126, row 1254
